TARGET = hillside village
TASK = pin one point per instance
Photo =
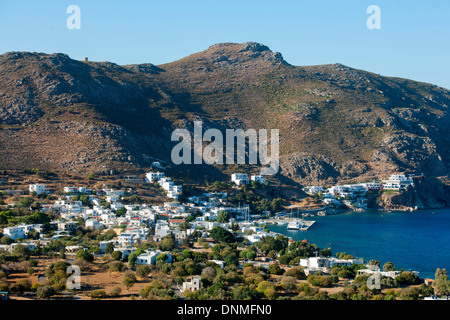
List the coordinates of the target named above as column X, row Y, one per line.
column 205, row 229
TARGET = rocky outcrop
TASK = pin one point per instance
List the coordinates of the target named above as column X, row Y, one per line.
column 427, row 193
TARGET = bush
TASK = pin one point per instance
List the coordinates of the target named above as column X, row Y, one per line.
column 21, row 286
column 98, row 294
column 116, row 255
column 45, row 292
column 116, row 266
column 83, row 264
column 85, row 255
column 129, row 279
column 320, row 281
column 142, row 271
column 275, row 269
column 115, row 292
column 295, row 272
column 346, row 274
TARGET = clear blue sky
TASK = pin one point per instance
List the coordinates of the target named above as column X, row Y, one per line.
column 414, row 40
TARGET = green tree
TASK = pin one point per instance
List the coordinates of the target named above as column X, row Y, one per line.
column 167, row 243
column 223, row 217
column 129, row 279
column 245, row 293
column 109, row 248
column 274, row 268
column 296, row 272
column 344, row 273
column 98, row 294
column 441, row 282
column 288, row 283
column 231, row 259
column 25, row 202
column 116, row 266
column 84, row 255
column 142, row 271
column 121, row 212
column 407, row 278
column 116, row 255
column 132, row 259
column 276, row 205
column 222, row 235
column 21, row 251
column 45, row 292
column 374, row 263
column 388, row 266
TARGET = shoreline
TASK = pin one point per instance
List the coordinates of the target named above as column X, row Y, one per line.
column 383, row 240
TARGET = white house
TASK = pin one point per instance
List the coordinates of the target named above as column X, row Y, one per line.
column 72, row 189
column 149, row 257
column 220, row 263
column 126, row 251
column 258, row 178
column 103, row 244
column 30, row 246
column 38, row 188
column 323, row 264
column 21, row 231
column 374, row 185
column 161, row 229
column 343, row 262
column 93, row 224
column 342, row 191
column 14, row 232
column 239, row 178
column 154, row 176
column 358, row 189
column 390, row 274
column 397, row 182
column 194, row 284
column 313, row 189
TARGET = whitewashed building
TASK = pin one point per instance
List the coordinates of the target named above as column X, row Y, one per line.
column 38, row 188
column 149, row 257
column 258, row 178
column 194, row 284
column 154, row 176
column 239, row 178
column 397, row 182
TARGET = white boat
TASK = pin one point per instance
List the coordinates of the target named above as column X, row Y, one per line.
column 296, row 225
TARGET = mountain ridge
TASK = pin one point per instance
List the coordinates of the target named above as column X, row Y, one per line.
column 336, row 123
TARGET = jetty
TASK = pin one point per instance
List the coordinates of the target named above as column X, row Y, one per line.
column 305, row 224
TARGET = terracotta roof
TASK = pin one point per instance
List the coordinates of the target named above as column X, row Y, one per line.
column 176, row 220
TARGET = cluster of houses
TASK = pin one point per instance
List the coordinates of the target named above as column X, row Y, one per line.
column 317, row 264
column 140, row 221
column 242, row 178
column 313, row 265
column 336, row 194
column 172, row 190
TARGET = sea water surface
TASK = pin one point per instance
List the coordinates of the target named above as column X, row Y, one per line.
column 418, row 240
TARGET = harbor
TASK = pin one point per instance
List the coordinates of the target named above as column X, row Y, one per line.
column 291, row 223
column 384, row 236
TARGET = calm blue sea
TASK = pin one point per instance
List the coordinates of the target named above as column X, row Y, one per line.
column 419, row 240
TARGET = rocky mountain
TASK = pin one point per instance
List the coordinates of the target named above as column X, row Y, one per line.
column 336, row 123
